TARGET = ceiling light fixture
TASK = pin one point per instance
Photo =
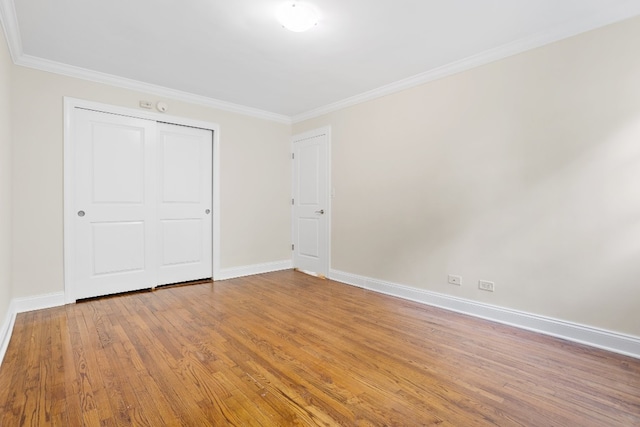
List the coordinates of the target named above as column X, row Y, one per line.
column 297, row 17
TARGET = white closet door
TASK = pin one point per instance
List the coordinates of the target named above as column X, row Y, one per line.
column 185, row 203
column 114, row 204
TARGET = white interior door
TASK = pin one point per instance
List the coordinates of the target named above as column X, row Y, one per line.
column 310, row 204
column 142, row 201
column 114, row 206
column 185, row 203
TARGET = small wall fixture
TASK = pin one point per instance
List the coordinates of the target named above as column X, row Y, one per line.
column 298, row 17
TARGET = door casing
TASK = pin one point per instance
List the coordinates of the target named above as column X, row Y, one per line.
column 70, row 104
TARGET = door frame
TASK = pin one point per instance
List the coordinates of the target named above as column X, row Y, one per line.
column 70, row 105
column 325, row 130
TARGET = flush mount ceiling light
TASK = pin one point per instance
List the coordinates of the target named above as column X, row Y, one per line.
column 297, row 17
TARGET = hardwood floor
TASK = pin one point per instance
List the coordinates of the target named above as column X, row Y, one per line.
column 285, row 349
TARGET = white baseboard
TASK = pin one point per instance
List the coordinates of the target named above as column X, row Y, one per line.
column 38, row 302
column 606, row 340
column 249, row 270
column 21, row 305
column 611, row 341
column 6, row 329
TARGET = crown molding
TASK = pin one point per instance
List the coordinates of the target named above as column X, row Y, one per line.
column 9, row 21
column 557, row 33
column 109, row 79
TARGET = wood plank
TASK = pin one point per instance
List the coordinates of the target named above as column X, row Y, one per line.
column 285, row 349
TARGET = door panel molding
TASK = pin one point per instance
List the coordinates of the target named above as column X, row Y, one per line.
column 71, row 105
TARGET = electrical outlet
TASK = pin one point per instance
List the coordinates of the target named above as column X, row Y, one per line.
column 455, row 280
column 486, row 285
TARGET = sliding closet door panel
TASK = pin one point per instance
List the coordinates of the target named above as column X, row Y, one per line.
column 185, row 203
column 115, row 201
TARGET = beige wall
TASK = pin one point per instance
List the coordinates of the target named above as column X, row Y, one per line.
column 525, row 172
column 255, row 178
column 5, row 177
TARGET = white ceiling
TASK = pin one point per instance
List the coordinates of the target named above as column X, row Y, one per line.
column 235, row 51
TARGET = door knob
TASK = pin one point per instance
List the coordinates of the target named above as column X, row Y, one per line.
column 208, row 211
column 80, row 213
column 321, row 212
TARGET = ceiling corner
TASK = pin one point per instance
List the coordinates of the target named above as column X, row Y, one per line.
column 9, row 21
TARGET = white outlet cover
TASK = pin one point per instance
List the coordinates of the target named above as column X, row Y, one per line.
column 486, row 285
